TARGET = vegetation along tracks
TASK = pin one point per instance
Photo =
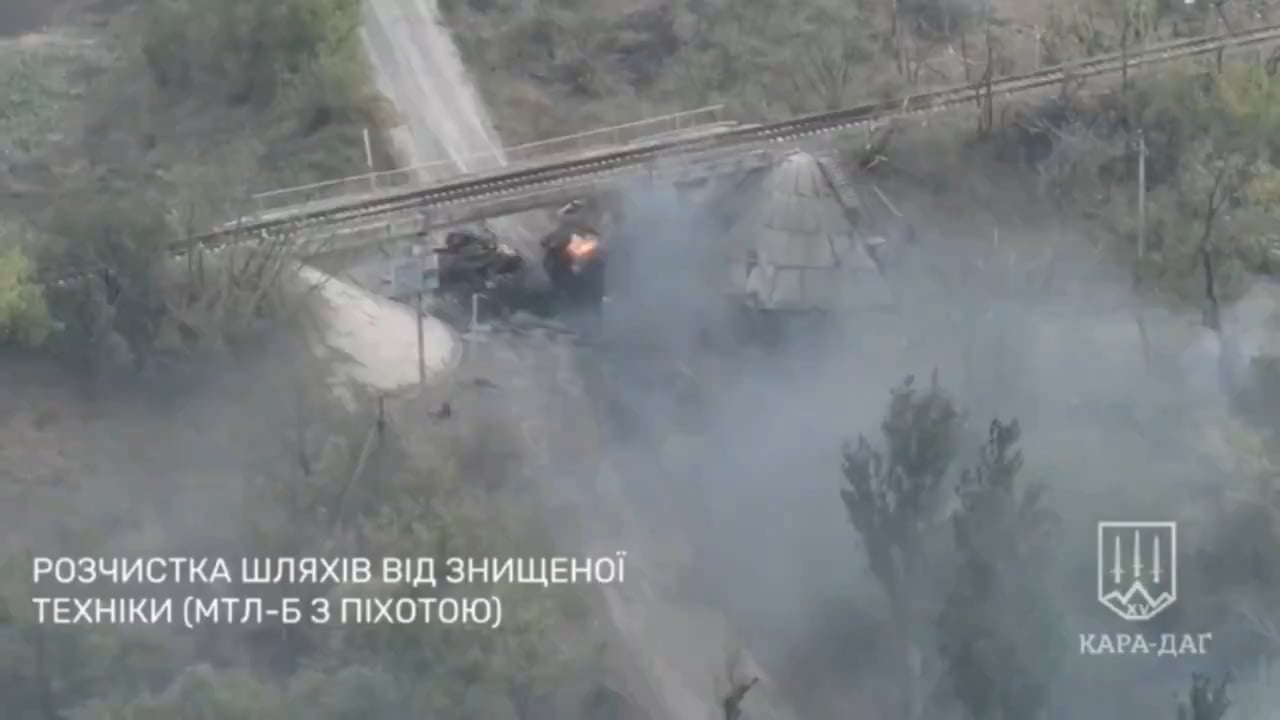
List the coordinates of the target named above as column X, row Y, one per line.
column 693, row 150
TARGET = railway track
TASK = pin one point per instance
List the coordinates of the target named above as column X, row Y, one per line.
column 716, row 146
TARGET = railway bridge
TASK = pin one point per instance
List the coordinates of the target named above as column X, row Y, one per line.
column 348, row 214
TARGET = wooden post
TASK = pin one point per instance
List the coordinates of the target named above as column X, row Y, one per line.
column 422, row 363
column 1124, row 54
column 991, row 68
column 1142, row 195
column 1218, row 56
column 896, row 34
column 382, row 415
column 989, row 110
column 368, row 159
column 1142, row 248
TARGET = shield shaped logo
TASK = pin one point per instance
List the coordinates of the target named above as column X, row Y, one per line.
column 1137, row 568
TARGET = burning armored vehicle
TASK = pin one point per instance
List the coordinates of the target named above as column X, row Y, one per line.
column 573, row 257
column 790, row 244
column 480, row 275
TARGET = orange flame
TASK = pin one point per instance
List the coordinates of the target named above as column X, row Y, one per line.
column 582, row 246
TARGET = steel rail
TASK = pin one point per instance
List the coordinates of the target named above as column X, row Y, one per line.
column 716, row 146
column 517, row 155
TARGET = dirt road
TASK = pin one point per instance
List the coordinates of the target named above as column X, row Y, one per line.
column 672, row 657
column 418, row 67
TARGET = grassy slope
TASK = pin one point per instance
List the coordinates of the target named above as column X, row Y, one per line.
column 573, row 65
column 42, row 79
column 87, row 112
column 94, row 119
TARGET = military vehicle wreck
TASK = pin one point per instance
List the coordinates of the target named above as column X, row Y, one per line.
column 790, row 236
column 482, row 279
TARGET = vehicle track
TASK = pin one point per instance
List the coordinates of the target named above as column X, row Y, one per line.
column 692, row 151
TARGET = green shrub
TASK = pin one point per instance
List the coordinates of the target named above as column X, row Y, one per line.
column 248, row 49
column 36, row 91
column 24, row 315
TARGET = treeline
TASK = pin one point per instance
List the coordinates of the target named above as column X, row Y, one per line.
column 336, row 485
column 1207, row 137
column 575, row 66
column 206, row 102
column 203, row 104
column 969, row 557
column 592, row 64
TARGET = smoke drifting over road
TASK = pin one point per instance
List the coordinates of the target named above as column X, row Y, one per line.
column 736, row 448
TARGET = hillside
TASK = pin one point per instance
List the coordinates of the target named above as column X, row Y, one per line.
column 158, row 410
column 1030, row 288
column 828, row 512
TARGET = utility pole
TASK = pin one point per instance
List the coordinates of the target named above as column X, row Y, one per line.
column 368, row 159
column 422, row 363
column 1142, row 246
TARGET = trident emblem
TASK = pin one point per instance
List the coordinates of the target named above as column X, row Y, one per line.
column 1137, row 568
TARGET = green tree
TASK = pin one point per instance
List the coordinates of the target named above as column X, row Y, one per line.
column 250, row 49
column 111, row 317
column 894, row 490
column 24, row 315
column 317, row 480
column 894, row 497
column 1206, row 700
column 1235, row 564
column 998, row 632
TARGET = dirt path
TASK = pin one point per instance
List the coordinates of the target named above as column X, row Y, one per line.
column 418, row 67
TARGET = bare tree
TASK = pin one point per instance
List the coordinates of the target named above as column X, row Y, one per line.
column 895, row 34
column 831, row 51
column 1209, row 182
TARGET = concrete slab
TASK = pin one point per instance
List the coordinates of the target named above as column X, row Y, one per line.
column 374, row 340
